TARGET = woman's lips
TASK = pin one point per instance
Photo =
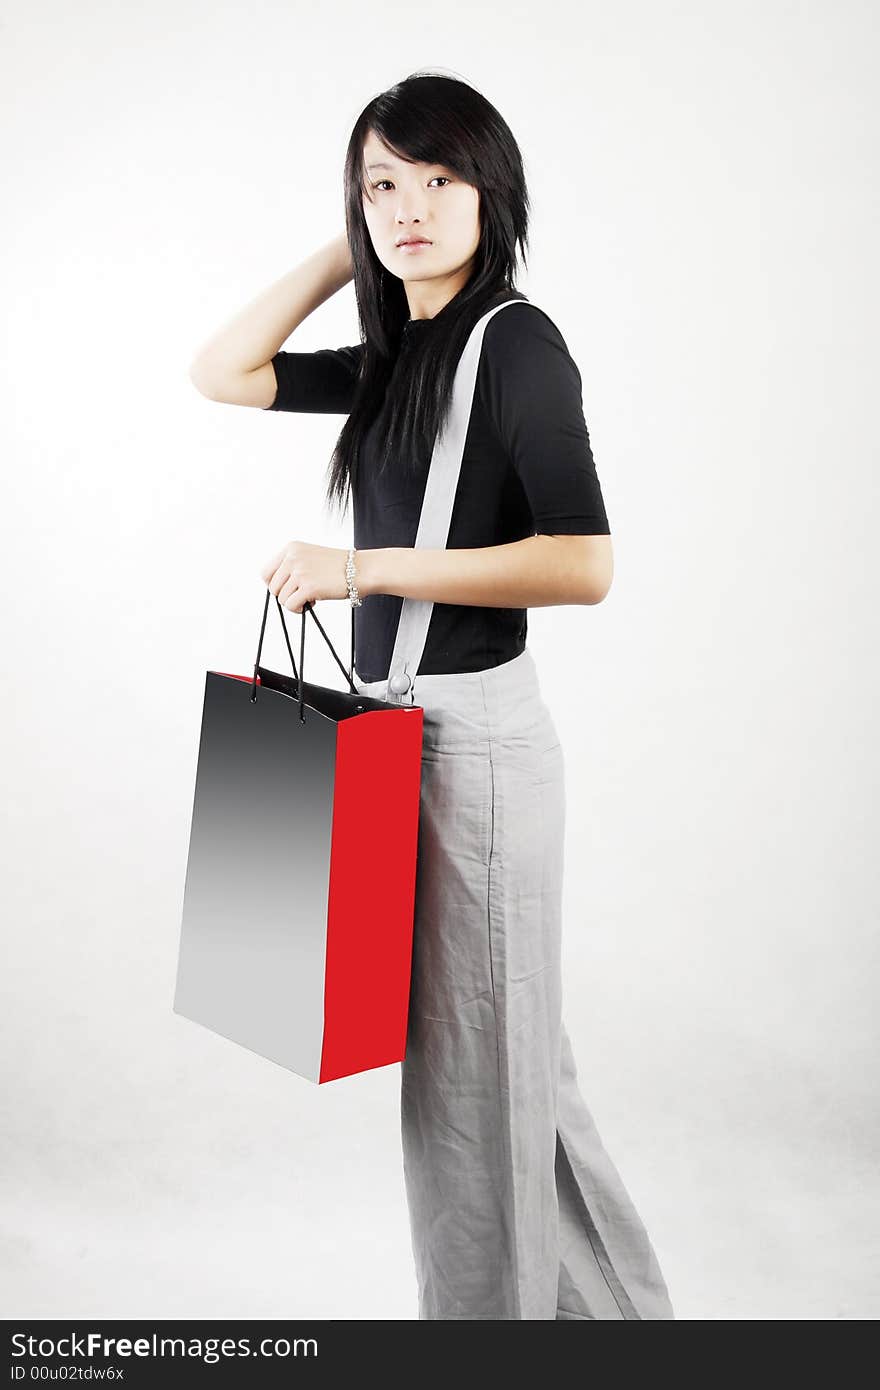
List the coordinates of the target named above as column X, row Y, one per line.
column 414, row 245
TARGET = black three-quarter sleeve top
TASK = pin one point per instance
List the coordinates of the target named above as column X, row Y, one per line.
column 527, row 469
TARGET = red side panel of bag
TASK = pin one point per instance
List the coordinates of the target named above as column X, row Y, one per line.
column 372, row 890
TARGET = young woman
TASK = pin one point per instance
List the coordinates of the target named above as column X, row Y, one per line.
column 516, row 1209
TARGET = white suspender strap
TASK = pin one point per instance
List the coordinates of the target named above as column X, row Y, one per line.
column 436, row 513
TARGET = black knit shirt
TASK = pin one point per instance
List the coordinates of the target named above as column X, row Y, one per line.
column 527, row 469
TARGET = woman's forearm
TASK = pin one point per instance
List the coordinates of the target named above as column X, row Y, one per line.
column 257, row 331
column 532, row 573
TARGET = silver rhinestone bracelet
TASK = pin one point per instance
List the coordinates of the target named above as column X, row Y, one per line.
column 350, row 581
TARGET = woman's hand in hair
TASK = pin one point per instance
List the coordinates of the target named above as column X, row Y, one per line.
column 301, row 573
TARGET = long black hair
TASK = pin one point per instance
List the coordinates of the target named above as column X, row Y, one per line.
column 434, row 119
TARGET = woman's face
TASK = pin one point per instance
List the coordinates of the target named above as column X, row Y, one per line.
column 420, row 200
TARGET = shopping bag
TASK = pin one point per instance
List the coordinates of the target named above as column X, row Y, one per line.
column 297, row 921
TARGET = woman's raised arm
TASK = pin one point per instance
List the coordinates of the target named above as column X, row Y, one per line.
column 235, row 364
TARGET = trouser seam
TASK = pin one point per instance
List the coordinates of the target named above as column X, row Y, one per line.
column 503, row 1078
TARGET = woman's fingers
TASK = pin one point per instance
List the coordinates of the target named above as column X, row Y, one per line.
column 279, row 578
column 287, row 591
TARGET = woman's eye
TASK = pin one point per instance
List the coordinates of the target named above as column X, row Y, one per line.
column 436, row 176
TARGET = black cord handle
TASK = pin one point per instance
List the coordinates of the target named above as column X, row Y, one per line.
column 298, row 675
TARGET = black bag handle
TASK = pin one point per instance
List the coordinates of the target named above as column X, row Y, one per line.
column 298, row 676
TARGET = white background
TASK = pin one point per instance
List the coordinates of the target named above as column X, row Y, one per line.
column 704, row 233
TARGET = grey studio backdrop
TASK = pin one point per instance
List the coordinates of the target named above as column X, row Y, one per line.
column 705, row 218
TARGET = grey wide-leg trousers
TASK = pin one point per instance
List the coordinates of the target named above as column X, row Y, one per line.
column 516, row 1210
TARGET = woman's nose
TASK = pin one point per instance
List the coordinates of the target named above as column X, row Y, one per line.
column 410, row 214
